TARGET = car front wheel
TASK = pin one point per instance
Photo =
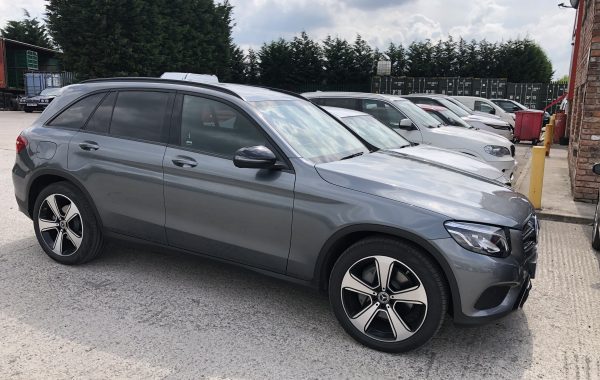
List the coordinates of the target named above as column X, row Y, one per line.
column 388, row 294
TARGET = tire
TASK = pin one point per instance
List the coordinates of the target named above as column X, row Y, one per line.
column 77, row 229
column 368, row 318
column 28, row 110
column 596, row 232
column 535, row 141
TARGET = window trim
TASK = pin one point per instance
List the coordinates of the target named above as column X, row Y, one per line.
column 64, row 108
column 176, row 120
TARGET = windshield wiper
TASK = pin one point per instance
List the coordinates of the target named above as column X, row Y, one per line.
column 352, row 156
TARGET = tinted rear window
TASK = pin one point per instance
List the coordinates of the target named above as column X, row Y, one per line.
column 140, row 115
column 100, row 120
column 77, row 114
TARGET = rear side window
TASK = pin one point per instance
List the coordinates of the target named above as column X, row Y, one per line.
column 140, row 115
column 77, row 114
column 100, row 120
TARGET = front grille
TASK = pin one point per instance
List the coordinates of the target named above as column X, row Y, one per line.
column 530, row 231
column 512, row 150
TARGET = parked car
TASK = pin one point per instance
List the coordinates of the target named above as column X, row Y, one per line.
column 512, row 106
column 41, row 101
column 268, row 180
column 486, row 106
column 415, row 125
column 380, row 137
column 485, row 122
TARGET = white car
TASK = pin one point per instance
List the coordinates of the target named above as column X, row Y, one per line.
column 418, row 127
column 380, row 137
column 486, row 106
column 487, row 122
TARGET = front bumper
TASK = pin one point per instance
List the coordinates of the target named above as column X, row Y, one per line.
column 487, row 287
column 507, row 167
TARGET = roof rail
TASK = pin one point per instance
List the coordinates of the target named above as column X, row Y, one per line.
column 290, row 93
column 161, row 80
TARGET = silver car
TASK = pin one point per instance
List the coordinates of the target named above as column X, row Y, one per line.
column 269, row 181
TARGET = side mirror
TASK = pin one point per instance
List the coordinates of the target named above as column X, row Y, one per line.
column 596, row 168
column 406, row 124
column 255, row 157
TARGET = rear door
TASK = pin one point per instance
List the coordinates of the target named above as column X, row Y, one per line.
column 215, row 208
column 118, row 156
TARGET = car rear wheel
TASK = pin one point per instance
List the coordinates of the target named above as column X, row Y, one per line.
column 65, row 224
column 387, row 294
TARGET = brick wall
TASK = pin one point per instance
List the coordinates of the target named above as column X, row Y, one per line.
column 584, row 112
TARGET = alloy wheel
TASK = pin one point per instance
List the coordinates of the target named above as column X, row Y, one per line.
column 60, row 224
column 384, row 299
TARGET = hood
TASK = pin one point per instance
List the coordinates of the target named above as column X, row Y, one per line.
column 448, row 134
column 428, row 186
column 451, row 160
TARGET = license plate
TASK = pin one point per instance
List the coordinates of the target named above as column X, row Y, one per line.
column 31, row 105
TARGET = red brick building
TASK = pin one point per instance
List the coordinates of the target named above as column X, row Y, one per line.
column 584, row 101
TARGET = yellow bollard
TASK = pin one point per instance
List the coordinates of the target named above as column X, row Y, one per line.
column 549, row 136
column 536, row 179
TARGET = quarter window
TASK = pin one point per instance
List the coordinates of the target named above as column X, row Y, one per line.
column 140, row 115
column 100, row 120
column 77, row 114
column 216, row 128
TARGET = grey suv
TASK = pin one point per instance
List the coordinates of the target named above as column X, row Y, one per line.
column 268, row 180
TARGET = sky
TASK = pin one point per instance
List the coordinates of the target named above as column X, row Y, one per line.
column 383, row 21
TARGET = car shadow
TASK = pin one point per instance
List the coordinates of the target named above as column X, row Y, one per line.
column 190, row 316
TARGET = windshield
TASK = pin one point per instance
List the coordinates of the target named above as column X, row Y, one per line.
column 310, row 131
column 454, row 120
column 416, row 114
column 50, row 91
column 374, row 132
column 453, row 107
column 459, row 104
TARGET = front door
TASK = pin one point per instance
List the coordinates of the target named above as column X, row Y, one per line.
column 215, row 208
column 392, row 118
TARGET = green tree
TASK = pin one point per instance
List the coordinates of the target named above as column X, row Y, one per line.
column 362, row 68
column 276, row 64
column 420, row 59
column 142, row 37
column 563, row 79
column 524, row 61
column 307, row 60
column 237, row 68
column 339, row 60
column 252, row 70
column 397, row 55
column 28, row 30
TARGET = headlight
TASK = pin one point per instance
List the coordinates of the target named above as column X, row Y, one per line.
column 497, row 150
column 480, row 238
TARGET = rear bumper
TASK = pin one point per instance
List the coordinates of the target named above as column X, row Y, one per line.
column 488, row 288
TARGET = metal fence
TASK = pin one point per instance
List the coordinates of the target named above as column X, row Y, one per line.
column 532, row 95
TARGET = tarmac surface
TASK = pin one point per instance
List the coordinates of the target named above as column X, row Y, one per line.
column 144, row 314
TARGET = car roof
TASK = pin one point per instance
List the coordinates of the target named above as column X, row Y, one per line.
column 244, row 92
column 427, row 96
column 341, row 94
column 430, row 107
column 343, row 112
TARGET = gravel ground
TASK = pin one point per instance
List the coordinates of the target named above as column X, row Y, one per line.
column 140, row 313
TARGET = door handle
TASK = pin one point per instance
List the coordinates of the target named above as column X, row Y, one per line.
column 89, row 145
column 185, row 162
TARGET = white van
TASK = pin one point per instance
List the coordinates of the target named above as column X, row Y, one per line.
column 486, row 106
column 417, row 126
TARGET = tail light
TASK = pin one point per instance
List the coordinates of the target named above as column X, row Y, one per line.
column 21, row 143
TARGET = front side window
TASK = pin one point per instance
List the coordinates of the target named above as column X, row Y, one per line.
column 77, row 114
column 140, row 115
column 310, row 131
column 216, row 128
column 483, row 107
column 417, row 115
column 386, row 114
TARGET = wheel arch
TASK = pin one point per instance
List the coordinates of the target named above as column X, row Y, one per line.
column 344, row 238
column 45, row 178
